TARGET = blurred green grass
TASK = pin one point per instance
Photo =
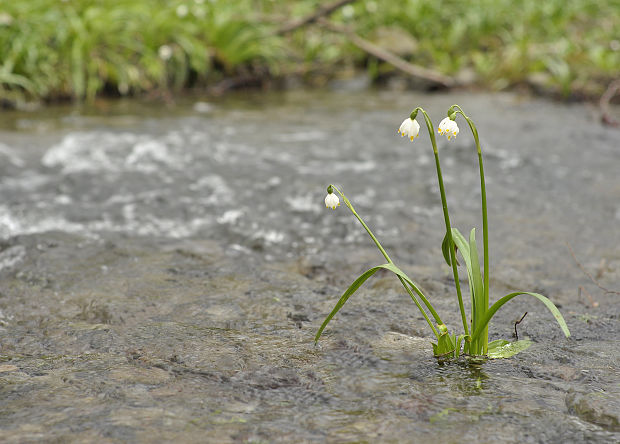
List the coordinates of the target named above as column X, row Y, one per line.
column 79, row 49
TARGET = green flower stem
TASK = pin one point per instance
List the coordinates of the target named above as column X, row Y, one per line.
column 387, row 258
column 444, row 204
column 350, row 207
column 485, row 225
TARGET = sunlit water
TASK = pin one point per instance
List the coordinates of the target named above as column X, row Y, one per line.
column 164, row 271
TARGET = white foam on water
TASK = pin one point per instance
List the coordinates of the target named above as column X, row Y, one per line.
column 306, row 203
column 12, row 225
column 147, row 155
column 219, row 191
column 12, row 256
column 302, row 136
column 141, row 225
column 230, row 217
column 335, row 166
column 269, row 236
column 107, row 151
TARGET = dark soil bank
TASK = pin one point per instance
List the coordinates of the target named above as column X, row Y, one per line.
column 163, row 272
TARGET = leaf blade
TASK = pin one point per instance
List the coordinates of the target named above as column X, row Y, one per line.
column 345, row 296
column 498, row 304
column 477, row 292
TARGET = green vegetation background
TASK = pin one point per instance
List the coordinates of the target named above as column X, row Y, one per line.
column 78, row 49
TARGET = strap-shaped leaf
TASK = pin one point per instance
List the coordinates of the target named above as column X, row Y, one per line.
column 343, row 299
column 358, row 283
column 398, row 272
column 491, row 312
column 459, row 340
column 461, row 243
column 477, row 296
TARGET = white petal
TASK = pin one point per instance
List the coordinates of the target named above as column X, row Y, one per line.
column 443, row 124
column 332, row 201
column 404, row 127
column 414, row 130
column 448, row 127
column 453, row 128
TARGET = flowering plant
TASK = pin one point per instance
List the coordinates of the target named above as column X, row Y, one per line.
column 474, row 340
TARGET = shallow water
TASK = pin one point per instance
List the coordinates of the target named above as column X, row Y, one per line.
column 163, row 271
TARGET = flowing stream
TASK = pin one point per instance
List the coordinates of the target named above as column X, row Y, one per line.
column 164, row 269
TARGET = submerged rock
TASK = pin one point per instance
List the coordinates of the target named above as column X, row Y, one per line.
column 600, row 408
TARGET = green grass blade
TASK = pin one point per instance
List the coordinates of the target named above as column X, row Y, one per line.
column 461, row 244
column 477, row 293
column 491, row 312
column 343, row 299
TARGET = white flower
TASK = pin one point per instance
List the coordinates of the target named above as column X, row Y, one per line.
column 448, row 127
column 409, row 128
column 182, row 10
column 165, row 52
column 332, row 201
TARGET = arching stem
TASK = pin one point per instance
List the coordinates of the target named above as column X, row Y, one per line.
column 402, row 281
column 444, row 205
column 485, row 225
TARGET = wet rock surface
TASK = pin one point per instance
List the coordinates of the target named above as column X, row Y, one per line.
column 601, row 408
column 163, row 273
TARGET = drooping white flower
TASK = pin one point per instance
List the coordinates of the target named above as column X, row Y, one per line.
column 409, row 128
column 448, row 127
column 332, row 201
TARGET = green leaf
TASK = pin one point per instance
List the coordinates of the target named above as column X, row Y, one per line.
column 358, row 283
column 498, row 343
column 491, row 312
column 462, row 244
column 459, row 340
column 445, row 346
column 398, row 272
column 504, row 349
column 343, row 299
column 475, row 272
column 477, row 293
column 445, row 249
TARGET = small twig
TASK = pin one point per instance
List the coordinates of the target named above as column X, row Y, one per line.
column 389, row 57
column 609, row 94
column 517, row 323
column 593, row 303
column 606, row 290
column 320, row 12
